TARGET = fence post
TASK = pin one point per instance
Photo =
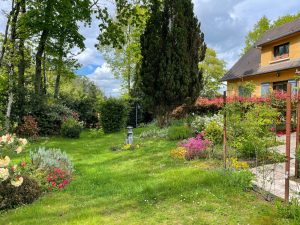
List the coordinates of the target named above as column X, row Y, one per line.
column 297, row 134
column 288, row 142
column 225, row 130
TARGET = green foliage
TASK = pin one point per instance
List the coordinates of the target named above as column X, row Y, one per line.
column 214, row 132
column 247, row 89
column 50, row 117
column 250, row 128
column 239, row 179
column 171, row 53
column 44, row 159
column 11, row 197
column 179, row 132
column 113, row 114
column 263, row 25
column 258, row 30
column 71, row 128
column 289, row 211
column 213, row 69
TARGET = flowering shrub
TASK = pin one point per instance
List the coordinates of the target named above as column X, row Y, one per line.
column 58, row 177
column 29, row 128
column 200, row 123
column 9, row 144
column 196, row 147
column 127, row 147
column 52, row 166
column 71, row 128
column 45, row 159
column 179, row 153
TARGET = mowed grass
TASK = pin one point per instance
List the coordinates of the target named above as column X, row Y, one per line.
column 145, row 186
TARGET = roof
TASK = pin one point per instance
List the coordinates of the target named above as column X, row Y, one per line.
column 279, row 32
column 249, row 63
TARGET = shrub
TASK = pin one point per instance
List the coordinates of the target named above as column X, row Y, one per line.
column 196, row 147
column 51, row 116
column 71, row 128
column 53, row 167
column 113, row 114
column 155, row 133
column 10, row 144
column 45, row 159
column 29, row 127
column 200, row 123
column 214, row 132
column 11, row 197
column 179, row 132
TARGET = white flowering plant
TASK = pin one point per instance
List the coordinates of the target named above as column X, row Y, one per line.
column 10, row 144
column 200, row 123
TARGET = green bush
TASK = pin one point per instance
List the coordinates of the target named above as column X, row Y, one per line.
column 11, row 197
column 71, row 128
column 289, row 211
column 113, row 113
column 179, row 132
column 214, row 133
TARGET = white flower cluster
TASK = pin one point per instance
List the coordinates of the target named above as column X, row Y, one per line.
column 200, row 123
column 11, row 142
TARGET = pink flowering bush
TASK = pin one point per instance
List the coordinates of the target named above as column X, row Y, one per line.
column 196, row 147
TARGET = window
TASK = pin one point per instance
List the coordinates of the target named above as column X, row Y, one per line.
column 265, row 89
column 280, row 86
column 281, row 51
column 243, row 92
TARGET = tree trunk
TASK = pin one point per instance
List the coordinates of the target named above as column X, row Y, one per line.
column 11, row 65
column 21, row 71
column 44, row 75
column 38, row 62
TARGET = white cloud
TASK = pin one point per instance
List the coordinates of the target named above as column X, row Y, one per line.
column 104, row 79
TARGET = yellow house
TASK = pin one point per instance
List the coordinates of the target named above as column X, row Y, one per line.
column 272, row 63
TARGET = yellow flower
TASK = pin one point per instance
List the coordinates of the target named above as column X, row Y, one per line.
column 4, row 162
column 178, row 153
column 19, row 149
column 127, row 147
column 17, row 182
column 4, row 174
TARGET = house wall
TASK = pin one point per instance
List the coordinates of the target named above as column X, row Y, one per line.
column 267, row 51
column 233, row 85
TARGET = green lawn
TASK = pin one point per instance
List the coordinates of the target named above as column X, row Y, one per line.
column 145, row 186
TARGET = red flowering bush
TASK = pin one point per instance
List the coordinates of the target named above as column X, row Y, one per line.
column 29, row 127
column 196, row 147
column 58, row 178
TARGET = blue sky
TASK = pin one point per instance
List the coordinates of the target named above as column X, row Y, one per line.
column 224, row 23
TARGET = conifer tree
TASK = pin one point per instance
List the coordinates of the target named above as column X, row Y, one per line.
column 172, row 47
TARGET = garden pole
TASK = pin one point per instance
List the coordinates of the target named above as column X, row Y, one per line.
column 288, row 142
column 297, row 134
column 225, row 130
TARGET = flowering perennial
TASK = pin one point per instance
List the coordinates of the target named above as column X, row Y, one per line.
column 11, row 143
column 196, row 147
column 58, row 178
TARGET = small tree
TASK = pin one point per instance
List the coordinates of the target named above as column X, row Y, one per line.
column 114, row 114
column 172, row 46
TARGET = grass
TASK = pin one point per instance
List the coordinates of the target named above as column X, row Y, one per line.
column 145, row 186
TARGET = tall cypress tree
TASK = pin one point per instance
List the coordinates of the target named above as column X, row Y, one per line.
column 172, row 46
